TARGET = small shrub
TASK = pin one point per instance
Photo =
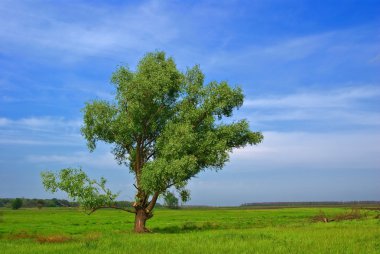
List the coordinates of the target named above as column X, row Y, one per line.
column 320, row 217
column 354, row 214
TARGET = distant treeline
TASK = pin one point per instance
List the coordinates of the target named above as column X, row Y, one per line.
column 30, row 203
column 26, row 202
column 325, row 203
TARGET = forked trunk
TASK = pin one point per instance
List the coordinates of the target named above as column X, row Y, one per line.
column 140, row 220
column 144, row 213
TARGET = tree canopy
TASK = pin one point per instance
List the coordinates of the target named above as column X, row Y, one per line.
column 165, row 125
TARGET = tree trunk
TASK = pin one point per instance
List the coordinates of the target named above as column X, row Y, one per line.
column 140, row 220
column 144, row 212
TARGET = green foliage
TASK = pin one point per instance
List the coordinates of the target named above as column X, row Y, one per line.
column 16, row 203
column 165, row 125
column 170, row 200
column 5, row 202
column 185, row 195
column 169, row 120
column 89, row 193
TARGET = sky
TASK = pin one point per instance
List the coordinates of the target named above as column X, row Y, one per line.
column 309, row 71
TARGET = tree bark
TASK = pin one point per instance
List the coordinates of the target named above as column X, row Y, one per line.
column 140, row 220
column 143, row 211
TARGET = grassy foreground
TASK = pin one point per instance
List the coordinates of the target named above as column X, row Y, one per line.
column 288, row 230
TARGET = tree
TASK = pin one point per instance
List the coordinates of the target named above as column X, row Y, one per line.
column 171, row 201
column 40, row 203
column 165, row 126
column 16, row 203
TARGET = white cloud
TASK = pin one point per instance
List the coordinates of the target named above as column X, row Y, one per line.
column 40, row 131
column 41, row 141
column 325, row 166
column 45, row 123
column 337, row 118
column 333, row 98
column 4, row 121
column 311, row 151
column 70, row 32
column 350, row 106
column 103, row 160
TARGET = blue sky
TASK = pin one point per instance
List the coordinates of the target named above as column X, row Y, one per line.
column 309, row 70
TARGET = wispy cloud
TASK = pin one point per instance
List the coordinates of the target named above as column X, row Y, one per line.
column 349, row 107
column 311, row 151
column 4, row 121
column 287, row 49
column 40, row 123
column 40, row 131
column 103, row 160
column 332, row 98
column 292, row 61
column 73, row 28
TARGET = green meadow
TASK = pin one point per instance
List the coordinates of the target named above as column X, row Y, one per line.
column 214, row 230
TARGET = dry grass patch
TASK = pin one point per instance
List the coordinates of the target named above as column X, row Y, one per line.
column 40, row 238
column 354, row 214
column 21, row 235
column 53, row 239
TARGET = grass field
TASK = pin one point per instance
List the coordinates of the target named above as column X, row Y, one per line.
column 220, row 230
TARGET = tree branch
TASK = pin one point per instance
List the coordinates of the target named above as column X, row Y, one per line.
column 113, row 207
column 150, row 156
column 172, row 184
column 154, row 114
column 150, row 141
column 152, row 203
column 138, row 162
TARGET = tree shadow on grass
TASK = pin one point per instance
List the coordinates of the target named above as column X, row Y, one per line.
column 186, row 227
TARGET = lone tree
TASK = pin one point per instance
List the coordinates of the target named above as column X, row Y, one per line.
column 165, row 126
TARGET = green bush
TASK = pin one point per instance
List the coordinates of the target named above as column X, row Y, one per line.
column 16, row 203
